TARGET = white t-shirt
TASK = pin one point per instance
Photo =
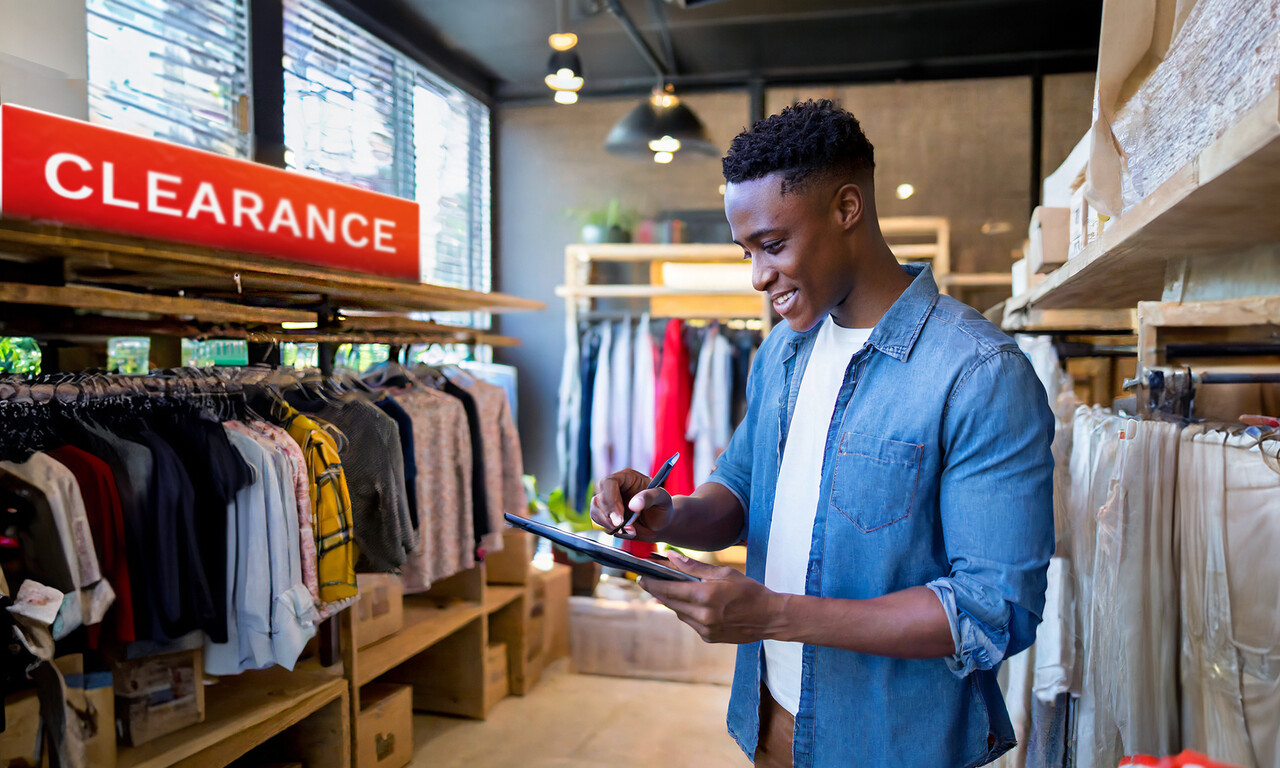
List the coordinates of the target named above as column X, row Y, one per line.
column 796, row 498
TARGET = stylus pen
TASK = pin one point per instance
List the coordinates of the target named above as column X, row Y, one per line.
column 656, row 482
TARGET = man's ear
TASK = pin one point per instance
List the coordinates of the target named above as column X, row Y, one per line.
column 850, row 205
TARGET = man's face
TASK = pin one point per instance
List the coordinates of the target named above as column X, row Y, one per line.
column 796, row 244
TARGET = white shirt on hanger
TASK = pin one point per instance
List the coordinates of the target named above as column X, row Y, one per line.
column 709, row 411
column 620, row 364
column 643, row 400
column 602, row 388
column 795, row 501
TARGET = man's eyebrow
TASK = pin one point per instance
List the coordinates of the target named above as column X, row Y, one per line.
column 756, row 235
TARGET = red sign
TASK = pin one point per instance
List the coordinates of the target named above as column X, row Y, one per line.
column 70, row 172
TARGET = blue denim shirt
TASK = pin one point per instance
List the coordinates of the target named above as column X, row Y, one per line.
column 937, row 472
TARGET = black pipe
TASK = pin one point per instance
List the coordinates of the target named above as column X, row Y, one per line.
column 1239, row 378
column 633, row 32
column 1175, row 351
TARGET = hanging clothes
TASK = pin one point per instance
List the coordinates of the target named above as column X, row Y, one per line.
column 582, row 480
column 503, row 461
column 643, row 399
column 674, row 390
column 446, row 535
column 620, row 374
column 710, row 410
column 374, row 467
column 570, row 412
column 481, row 525
column 602, row 405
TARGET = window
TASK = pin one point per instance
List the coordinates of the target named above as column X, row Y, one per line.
column 360, row 112
column 175, row 70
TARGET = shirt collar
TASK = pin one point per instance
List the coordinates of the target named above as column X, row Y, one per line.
column 897, row 331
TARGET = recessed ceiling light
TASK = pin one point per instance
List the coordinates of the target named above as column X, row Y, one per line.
column 905, row 190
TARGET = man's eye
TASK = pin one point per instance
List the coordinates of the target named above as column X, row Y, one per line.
column 774, row 246
column 746, row 255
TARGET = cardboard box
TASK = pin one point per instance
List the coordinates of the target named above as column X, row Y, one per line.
column 379, row 608
column 559, row 589
column 1078, row 223
column 20, row 740
column 1048, row 236
column 643, row 639
column 510, row 565
column 158, row 695
column 497, row 681
column 92, row 697
column 385, row 731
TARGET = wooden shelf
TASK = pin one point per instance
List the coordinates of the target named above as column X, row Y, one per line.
column 103, row 259
column 242, row 712
column 499, row 596
column 111, row 300
column 701, row 253
column 1220, row 203
column 976, row 280
column 646, row 291
column 425, row 624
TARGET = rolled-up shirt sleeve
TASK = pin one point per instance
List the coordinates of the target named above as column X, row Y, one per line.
column 996, row 507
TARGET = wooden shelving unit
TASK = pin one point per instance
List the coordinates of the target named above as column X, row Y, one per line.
column 309, row 711
column 441, row 649
column 1219, row 204
column 63, row 284
column 912, row 238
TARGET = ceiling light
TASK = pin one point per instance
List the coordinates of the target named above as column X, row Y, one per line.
column 660, row 123
column 566, row 97
column 663, row 157
column 305, row 325
column 564, row 71
column 563, row 41
column 665, row 144
column 905, row 191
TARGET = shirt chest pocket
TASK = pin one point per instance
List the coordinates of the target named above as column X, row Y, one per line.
column 874, row 481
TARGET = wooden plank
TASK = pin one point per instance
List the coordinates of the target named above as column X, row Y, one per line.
column 499, row 596
column 914, row 251
column 151, row 257
column 1069, row 320
column 110, row 300
column 510, row 625
column 692, row 252
column 645, row 291
column 1262, row 310
column 425, row 624
column 448, row 677
column 976, row 279
column 1218, row 205
column 392, row 337
column 242, row 712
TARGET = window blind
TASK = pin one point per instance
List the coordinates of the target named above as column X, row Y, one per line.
column 175, row 70
column 361, row 112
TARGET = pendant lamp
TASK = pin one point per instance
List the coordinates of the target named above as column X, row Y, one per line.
column 660, row 127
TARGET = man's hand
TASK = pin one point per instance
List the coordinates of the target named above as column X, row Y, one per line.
column 725, row 607
column 623, row 493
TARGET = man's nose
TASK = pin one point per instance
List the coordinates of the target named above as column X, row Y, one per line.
column 762, row 274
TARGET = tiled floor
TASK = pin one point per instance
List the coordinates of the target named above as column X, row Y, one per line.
column 587, row 721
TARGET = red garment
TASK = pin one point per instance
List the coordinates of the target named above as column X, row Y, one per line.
column 1186, row 758
column 106, row 522
column 674, row 390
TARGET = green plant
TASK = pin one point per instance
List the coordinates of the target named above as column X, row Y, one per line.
column 613, row 215
column 555, row 506
column 19, row 354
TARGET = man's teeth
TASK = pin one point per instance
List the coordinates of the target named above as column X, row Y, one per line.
column 784, row 297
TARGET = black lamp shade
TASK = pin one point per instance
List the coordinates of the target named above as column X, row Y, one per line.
column 648, row 122
column 564, row 60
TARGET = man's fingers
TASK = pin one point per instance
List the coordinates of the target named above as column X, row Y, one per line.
column 673, row 590
column 686, row 610
column 694, row 567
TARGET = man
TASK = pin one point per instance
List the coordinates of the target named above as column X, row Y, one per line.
column 892, row 480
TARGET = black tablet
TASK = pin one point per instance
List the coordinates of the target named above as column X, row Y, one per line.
column 610, row 556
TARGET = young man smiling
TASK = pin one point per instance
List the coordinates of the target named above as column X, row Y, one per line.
column 892, row 480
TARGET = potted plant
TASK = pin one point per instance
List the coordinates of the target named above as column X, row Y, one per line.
column 611, row 224
column 585, row 573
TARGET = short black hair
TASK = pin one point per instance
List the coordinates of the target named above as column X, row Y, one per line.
column 805, row 141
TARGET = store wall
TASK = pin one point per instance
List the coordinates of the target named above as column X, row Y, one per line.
column 44, row 60
column 964, row 144
column 550, row 159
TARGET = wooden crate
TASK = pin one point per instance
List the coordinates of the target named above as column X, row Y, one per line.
column 385, row 732
column 379, row 608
